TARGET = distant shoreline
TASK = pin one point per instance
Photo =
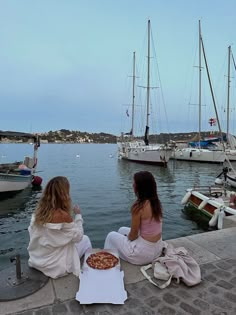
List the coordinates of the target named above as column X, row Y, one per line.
column 64, row 136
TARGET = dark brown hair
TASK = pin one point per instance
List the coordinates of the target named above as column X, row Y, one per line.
column 146, row 189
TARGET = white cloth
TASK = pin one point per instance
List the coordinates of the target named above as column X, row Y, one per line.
column 137, row 252
column 55, row 248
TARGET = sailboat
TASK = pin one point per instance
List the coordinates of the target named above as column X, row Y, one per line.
column 228, row 173
column 200, row 154
column 143, row 151
column 230, row 148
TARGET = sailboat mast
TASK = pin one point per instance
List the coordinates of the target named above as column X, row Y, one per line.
column 228, row 92
column 200, row 85
column 133, row 99
column 148, row 74
column 212, row 93
column 146, row 138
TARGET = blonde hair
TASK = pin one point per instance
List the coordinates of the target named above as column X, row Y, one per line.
column 56, row 195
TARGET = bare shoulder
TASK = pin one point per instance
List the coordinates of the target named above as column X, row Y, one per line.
column 61, row 216
column 147, row 210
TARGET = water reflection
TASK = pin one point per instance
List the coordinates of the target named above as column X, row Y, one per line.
column 15, row 214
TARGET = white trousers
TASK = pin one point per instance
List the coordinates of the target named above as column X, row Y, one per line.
column 83, row 246
column 137, row 252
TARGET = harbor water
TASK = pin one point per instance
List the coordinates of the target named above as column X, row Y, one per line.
column 102, row 186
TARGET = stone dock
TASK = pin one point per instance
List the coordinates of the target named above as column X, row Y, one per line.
column 216, row 294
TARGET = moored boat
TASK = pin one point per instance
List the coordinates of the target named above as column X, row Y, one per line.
column 213, row 203
column 19, row 175
column 143, row 151
column 200, row 150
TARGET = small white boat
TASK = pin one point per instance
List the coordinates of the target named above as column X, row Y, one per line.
column 213, row 203
column 19, row 175
column 229, row 176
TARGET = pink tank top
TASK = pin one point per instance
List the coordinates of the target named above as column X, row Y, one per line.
column 150, row 227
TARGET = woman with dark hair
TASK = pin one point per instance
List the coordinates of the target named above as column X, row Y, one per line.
column 57, row 242
column 141, row 243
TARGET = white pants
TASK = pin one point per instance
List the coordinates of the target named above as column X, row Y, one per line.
column 83, row 245
column 137, row 252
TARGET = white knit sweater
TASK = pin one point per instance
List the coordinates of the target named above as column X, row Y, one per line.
column 52, row 247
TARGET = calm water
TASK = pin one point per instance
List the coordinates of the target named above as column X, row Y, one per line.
column 102, row 186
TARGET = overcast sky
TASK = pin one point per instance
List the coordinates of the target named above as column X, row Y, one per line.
column 66, row 63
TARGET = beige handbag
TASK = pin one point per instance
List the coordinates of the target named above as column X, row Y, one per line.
column 160, row 272
column 175, row 263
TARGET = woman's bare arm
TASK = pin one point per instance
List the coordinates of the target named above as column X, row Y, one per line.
column 135, row 225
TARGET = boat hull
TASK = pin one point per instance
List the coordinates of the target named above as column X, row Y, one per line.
column 212, row 205
column 145, row 154
column 195, row 201
column 14, row 183
column 199, row 155
column 231, row 154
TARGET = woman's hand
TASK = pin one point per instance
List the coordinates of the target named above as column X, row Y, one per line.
column 76, row 209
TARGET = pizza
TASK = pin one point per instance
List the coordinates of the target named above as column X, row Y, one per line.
column 102, row 260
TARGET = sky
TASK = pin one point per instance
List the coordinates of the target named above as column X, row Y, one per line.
column 66, row 64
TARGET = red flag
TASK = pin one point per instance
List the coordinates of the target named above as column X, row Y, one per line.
column 212, row 121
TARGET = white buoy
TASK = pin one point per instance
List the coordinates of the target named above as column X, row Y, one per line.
column 214, row 218
column 77, row 155
column 203, row 203
column 186, row 197
column 219, row 181
column 220, row 219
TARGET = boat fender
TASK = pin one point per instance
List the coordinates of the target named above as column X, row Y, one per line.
column 214, row 218
column 203, row 203
column 186, row 197
column 37, row 181
column 220, row 219
column 219, row 181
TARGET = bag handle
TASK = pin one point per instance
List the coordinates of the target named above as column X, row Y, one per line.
column 160, row 286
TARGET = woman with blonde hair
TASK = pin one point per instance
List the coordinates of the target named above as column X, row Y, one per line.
column 141, row 243
column 57, row 242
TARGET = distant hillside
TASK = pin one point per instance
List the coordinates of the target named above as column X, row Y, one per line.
column 72, row 136
column 183, row 136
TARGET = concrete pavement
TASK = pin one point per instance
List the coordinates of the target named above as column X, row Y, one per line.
column 215, row 252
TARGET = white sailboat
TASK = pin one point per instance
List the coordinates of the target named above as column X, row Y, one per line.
column 228, row 173
column 199, row 154
column 143, row 151
column 230, row 148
